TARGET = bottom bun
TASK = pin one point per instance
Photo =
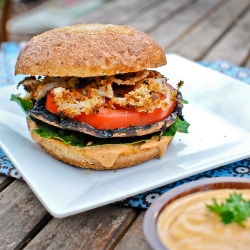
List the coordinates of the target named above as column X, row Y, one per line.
column 102, row 157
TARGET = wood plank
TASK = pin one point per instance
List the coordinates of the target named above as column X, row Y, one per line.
column 247, row 65
column 4, row 182
column 5, row 15
column 117, row 12
column 134, row 237
column 161, row 12
column 18, row 7
column 2, row 179
column 235, row 45
column 169, row 32
column 21, row 215
column 99, row 228
column 198, row 42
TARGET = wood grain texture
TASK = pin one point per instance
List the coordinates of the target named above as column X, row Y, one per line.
column 2, row 178
column 5, row 15
column 158, row 13
column 117, row 12
column 134, row 237
column 20, row 213
column 198, row 42
column 247, row 65
column 235, row 45
column 168, row 33
column 19, row 7
column 4, row 182
column 99, row 228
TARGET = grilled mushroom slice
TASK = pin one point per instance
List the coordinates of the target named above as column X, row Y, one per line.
column 41, row 113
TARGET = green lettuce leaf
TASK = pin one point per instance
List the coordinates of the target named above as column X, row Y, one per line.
column 68, row 137
column 82, row 140
column 25, row 104
column 179, row 126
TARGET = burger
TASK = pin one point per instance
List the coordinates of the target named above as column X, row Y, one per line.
column 94, row 99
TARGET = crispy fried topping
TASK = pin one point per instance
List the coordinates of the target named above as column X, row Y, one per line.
column 180, row 84
column 129, row 78
column 144, row 90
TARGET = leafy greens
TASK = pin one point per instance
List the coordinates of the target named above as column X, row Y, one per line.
column 234, row 209
column 82, row 140
column 180, row 125
column 25, row 104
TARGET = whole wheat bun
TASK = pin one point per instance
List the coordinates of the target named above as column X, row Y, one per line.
column 86, row 50
column 111, row 156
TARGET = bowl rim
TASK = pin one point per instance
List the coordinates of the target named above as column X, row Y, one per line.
column 153, row 212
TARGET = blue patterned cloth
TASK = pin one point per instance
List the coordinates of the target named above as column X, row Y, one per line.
column 8, row 55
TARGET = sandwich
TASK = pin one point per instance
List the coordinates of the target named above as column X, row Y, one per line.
column 94, row 99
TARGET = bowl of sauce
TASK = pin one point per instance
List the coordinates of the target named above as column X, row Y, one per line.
column 181, row 220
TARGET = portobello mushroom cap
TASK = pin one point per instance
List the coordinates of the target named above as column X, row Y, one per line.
column 41, row 113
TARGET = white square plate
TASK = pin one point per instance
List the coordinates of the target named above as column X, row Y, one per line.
column 218, row 112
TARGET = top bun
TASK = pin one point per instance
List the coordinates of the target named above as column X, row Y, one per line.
column 86, row 50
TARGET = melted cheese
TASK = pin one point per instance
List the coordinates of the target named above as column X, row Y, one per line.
column 187, row 224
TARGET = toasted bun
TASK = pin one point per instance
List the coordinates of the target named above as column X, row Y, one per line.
column 86, row 50
column 104, row 157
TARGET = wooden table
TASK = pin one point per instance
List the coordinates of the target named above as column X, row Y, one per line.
column 196, row 29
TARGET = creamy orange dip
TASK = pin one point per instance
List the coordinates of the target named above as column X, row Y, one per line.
column 187, row 224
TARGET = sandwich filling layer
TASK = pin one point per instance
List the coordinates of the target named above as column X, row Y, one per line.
column 145, row 91
column 105, row 154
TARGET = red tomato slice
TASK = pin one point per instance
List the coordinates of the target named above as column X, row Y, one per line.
column 119, row 118
column 50, row 105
